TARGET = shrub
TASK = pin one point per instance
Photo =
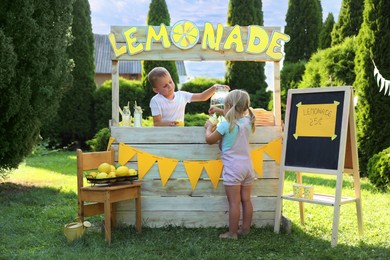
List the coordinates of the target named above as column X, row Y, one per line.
column 100, row 140
column 378, row 169
column 198, row 85
column 129, row 91
column 195, row 119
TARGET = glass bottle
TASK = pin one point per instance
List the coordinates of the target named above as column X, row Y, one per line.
column 126, row 116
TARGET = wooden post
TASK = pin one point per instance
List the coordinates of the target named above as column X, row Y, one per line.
column 301, row 209
column 277, row 100
column 115, row 93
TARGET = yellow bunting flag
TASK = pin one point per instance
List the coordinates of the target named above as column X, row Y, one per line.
column 194, row 170
column 110, row 141
column 125, row 153
column 166, row 167
column 274, row 149
column 145, row 162
column 214, row 170
column 257, row 161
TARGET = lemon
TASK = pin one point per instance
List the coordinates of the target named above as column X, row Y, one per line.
column 179, row 123
column 92, row 175
column 132, row 172
column 101, row 175
column 104, row 167
column 184, row 34
column 122, row 171
column 112, row 168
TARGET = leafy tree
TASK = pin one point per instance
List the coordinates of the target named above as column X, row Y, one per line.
column 349, row 21
column 303, row 24
column 325, row 39
column 75, row 120
column 36, row 34
column 247, row 75
column 372, row 110
column 331, row 67
column 158, row 14
column 290, row 75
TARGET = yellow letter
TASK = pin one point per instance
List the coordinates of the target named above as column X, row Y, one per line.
column 118, row 52
column 130, row 40
column 209, row 39
column 257, row 40
column 152, row 35
column 234, row 37
column 275, row 43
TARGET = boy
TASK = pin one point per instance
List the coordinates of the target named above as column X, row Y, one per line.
column 168, row 106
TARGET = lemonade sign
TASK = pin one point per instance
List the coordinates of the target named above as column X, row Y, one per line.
column 187, row 36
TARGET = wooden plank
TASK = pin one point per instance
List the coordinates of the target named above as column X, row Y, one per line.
column 187, row 203
column 185, row 135
column 276, row 96
column 200, row 152
column 270, row 170
column 115, row 93
column 191, row 219
column 182, row 187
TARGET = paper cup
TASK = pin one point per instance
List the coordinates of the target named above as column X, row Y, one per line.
column 298, row 190
column 308, row 192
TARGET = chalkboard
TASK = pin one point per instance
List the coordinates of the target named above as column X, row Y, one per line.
column 316, row 128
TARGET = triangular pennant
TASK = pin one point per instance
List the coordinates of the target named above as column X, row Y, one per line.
column 194, row 170
column 214, row 171
column 125, row 153
column 145, row 162
column 166, row 167
column 257, row 161
column 274, row 149
column 110, row 141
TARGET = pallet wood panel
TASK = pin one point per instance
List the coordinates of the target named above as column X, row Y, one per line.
column 191, row 219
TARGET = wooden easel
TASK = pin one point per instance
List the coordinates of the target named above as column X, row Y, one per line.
column 347, row 157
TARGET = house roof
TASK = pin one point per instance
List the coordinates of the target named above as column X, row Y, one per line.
column 103, row 60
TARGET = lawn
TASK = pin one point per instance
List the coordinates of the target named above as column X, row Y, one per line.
column 40, row 197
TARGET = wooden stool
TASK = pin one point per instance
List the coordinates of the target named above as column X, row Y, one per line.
column 104, row 197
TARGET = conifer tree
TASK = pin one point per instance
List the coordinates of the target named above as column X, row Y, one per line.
column 158, row 14
column 303, row 24
column 325, row 39
column 247, row 75
column 75, row 121
column 349, row 21
column 373, row 109
column 36, row 34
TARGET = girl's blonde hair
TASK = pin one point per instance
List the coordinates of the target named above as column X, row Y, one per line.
column 238, row 102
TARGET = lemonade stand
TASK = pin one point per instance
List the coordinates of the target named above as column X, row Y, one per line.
column 180, row 172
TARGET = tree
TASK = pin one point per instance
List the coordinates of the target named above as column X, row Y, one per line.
column 75, row 120
column 247, row 75
column 331, row 67
column 373, row 109
column 303, row 24
column 325, row 39
column 349, row 21
column 158, row 14
column 36, row 33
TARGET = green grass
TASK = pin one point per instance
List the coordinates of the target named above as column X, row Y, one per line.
column 40, row 197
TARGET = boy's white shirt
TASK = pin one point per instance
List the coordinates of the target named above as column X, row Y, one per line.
column 170, row 110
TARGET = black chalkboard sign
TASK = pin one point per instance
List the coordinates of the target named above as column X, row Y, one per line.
column 316, row 128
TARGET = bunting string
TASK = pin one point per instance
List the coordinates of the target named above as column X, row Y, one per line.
column 194, row 169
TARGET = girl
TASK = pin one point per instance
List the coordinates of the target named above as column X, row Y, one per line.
column 238, row 173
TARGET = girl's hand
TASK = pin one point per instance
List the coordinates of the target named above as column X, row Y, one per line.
column 213, row 110
column 208, row 124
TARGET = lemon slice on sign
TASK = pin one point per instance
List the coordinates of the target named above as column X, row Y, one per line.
column 184, row 34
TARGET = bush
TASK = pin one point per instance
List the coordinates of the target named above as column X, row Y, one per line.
column 198, row 85
column 195, row 119
column 378, row 169
column 100, row 140
column 129, row 91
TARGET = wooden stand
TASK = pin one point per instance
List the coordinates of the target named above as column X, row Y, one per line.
column 316, row 147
